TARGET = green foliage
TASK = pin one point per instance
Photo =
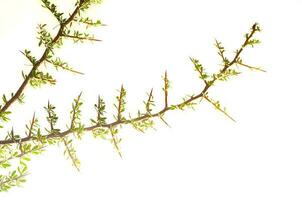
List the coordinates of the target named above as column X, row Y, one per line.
column 142, row 125
column 77, row 36
column 89, row 22
column 40, row 78
column 101, row 133
column 253, row 42
column 53, row 9
column 249, row 41
column 86, row 4
column 59, row 64
column 44, row 36
column 16, row 171
column 221, row 51
column 4, row 99
column 35, row 139
column 27, row 54
column 34, row 148
column 200, row 69
column 14, row 178
column 4, row 116
column 226, row 75
column 20, row 98
column 186, row 103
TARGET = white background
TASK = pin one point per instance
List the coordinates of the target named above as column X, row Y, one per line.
column 203, row 155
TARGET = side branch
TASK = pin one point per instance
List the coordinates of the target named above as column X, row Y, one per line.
column 82, row 38
column 166, row 88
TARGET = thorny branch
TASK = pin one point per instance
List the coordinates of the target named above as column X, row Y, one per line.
column 160, row 113
column 34, row 142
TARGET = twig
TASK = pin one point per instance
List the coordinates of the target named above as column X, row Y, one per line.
column 218, row 108
column 120, row 104
column 148, row 103
column 82, row 38
column 115, row 142
column 70, row 154
column 65, row 68
column 251, row 67
column 166, row 87
column 22, row 154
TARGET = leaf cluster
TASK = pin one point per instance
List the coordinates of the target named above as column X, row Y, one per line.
column 40, row 78
column 54, row 10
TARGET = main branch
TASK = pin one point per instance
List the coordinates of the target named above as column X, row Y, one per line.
column 122, row 121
